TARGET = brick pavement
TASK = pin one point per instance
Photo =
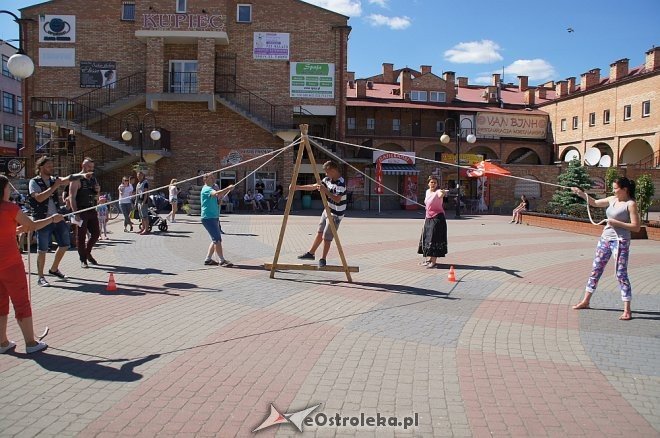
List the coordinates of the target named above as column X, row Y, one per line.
column 183, row 349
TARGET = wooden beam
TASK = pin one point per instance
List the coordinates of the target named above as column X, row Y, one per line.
column 299, row 267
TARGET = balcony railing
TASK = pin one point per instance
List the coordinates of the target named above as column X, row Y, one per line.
column 649, row 162
column 275, row 116
column 59, row 109
column 180, row 83
column 99, row 97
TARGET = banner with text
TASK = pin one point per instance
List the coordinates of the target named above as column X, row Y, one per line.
column 311, row 79
column 271, row 45
column 96, row 74
column 511, row 125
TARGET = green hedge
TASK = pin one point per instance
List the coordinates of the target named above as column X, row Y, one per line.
column 578, row 211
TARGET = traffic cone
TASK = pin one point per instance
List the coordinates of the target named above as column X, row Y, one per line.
column 452, row 275
column 112, row 286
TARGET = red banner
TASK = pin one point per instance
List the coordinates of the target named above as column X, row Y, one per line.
column 379, row 178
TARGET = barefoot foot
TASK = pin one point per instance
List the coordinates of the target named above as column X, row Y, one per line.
column 627, row 316
column 581, row 305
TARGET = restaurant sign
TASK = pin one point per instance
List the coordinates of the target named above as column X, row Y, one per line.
column 511, row 125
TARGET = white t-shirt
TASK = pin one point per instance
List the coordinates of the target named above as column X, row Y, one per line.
column 34, row 188
column 125, row 191
column 174, row 191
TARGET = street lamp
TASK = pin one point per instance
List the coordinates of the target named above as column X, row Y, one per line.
column 140, row 124
column 19, row 64
column 471, row 138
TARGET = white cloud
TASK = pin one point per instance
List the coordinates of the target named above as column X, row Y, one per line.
column 381, row 3
column 536, row 69
column 351, row 8
column 474, row 52
column 394, row 23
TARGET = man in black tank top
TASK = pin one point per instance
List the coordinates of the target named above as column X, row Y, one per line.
column 84, row 194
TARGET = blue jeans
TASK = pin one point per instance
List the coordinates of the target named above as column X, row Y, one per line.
column 212, row 226
column 61, row 232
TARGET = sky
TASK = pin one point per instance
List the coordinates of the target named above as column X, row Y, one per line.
column 476, row 38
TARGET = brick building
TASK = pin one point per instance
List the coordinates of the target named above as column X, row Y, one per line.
column 11, row 126
column 221, row 81
column 407, row 111
column 617, row 115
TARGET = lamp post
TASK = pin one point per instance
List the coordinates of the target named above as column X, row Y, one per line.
column 134, row 122
column 471, row 138
column 19, row 64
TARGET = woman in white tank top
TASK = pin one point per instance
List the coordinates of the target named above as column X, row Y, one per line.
column 622, row 219
column 174, row 193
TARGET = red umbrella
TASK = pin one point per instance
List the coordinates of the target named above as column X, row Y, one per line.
column 486, row 168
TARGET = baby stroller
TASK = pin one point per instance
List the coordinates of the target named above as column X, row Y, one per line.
column 156, row 221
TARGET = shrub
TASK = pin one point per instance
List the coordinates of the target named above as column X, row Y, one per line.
column 644, row 192
column 575, row 175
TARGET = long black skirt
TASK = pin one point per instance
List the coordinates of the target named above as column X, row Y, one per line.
column 433, row 242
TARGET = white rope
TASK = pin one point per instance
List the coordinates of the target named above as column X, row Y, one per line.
column 449, row 164
column 327, row 152
column 242, row 163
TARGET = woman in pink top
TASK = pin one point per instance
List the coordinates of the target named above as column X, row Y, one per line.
column 433, row 243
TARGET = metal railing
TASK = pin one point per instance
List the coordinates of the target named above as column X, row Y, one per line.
column 275, row 116
column 649, row 162
column 60, row 109
column 129, row 86
column 180, row 83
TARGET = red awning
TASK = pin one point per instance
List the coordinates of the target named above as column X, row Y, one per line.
column 486, row 168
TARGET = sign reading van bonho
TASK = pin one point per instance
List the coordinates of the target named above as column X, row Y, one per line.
column 311, row 79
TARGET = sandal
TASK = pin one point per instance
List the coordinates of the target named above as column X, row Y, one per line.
column 431, row 265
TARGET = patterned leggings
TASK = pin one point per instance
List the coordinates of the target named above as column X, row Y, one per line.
column 604, row 251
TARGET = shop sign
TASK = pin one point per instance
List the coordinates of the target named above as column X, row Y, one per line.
column 202, row 22
column 271, row 45
column 511, row 125
column 466, row 159
column 312, row 79
column 57, row 28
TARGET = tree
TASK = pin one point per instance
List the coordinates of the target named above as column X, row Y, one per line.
column 644, row 192
column 575, row 175
column 610, row 176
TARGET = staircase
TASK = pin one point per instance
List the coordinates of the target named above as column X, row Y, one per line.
column 118, row 96
column 272, row 118
column 93, row 124
column 523, row 157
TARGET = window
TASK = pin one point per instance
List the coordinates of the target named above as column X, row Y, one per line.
column 575, row 122
column 592, row 119
column 8, row 103
column 5, row 68
column 350, row 123
column 606, row 117
column 128, row 11
column 627, row 112
column 19, row 136
column 19, row 105
column 396, row 124
column 183, row 76
column 438, row 96
column 180, row 6
column 371, row 123
column 563, row 124
column 646, row 108
column 439, row 126
column 9, row 133
column 244, row 13
column 419, row 96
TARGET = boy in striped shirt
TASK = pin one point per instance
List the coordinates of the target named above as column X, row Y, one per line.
column 334, row 187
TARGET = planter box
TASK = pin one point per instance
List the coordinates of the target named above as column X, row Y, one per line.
column 580, row 226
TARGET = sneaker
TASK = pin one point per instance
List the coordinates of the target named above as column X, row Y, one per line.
column 83, row 264
column 39, row 347
column 307, row 256
column 226, row 264
column 92, row 260
column 43, row 282
column 58, row 274
column 8, row 348
column 321, row 263
column 211, row 262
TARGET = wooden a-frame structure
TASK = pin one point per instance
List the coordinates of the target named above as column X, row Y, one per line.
column 305, row 146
